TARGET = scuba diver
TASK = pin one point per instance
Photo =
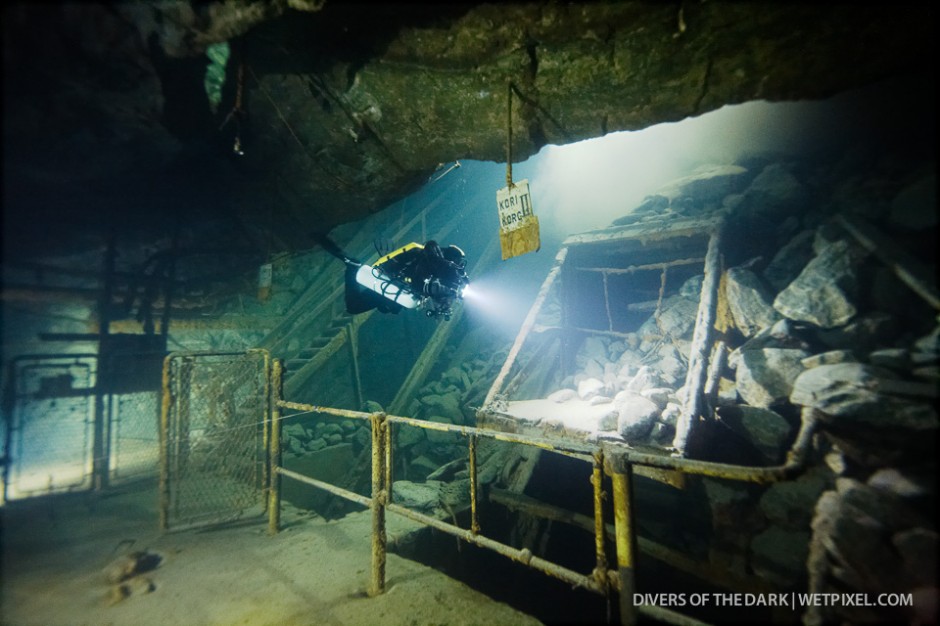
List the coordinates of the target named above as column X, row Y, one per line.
column 415, row 276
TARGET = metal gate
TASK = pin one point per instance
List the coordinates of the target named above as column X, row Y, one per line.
column 50, row 410
column 213, row 437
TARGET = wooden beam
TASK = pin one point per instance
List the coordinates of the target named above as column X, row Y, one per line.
column 664, row 554
column 645, row 231
column 640, row 268
column 914, row 274
column 694, row 406
column 527, row 325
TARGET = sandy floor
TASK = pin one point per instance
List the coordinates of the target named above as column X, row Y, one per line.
column 313, row 572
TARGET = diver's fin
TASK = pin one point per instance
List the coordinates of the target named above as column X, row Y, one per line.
column 330, row 246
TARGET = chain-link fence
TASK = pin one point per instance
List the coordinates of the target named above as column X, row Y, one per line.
column 214, row 433
column 135, row 436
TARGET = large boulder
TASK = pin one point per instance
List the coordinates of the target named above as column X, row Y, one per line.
column 765, row 376
column 773, row 193
column 824, row 293
column 766, row 431
column 419, row 496
column 447, row 405
column 790, row 503
column 749, row 301
column 636, row 418
column 790, row 260
column 848, row 394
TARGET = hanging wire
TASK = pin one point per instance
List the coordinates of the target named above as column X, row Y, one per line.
column 237, row 114
column 509, row 134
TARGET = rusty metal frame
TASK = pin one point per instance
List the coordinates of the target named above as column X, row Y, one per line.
column 617, row 462
column 694, row 407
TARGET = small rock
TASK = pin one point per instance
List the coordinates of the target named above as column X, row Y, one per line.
column 316, row 444
column 295, row 430
column 836, row 462
column 589, row 387
column 419, row 496
column 658, row 395
column 670, row 415
column 370, row 406
column 644, row 379
column 562, row 395
column 130, row 565
column 662, row 434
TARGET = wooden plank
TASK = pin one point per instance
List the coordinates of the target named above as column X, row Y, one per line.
column 664, row 554
column 296, row 381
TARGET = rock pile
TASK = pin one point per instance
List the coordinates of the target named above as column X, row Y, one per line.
column 812, row 324
column 313, row 435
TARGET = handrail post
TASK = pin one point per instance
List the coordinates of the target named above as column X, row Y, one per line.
column 472, row 454
column 377, row 583
column 597, row 478
column 274, row 452
column 389, row 460
column 621, row 474
column 164, row 488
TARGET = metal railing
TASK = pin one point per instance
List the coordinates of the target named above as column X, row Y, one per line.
column 618, row 463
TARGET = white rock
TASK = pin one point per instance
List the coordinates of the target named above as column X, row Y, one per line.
column 658, row 395
column 636, row 419
column 589, row 387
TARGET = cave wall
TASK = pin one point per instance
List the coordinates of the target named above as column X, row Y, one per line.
column 347, row 107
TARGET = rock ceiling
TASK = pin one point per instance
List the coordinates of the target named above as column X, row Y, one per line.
column 346, row 107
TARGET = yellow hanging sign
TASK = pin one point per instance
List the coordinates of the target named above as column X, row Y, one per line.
column 518, row 225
